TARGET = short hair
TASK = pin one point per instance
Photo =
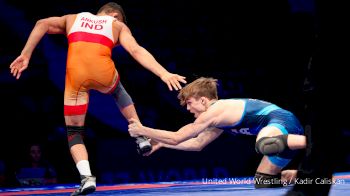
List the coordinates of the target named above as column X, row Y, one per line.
column 201, row 87
column 112, row 7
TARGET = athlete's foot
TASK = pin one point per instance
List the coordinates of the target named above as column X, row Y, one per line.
column 143, row 145
column 87, row 186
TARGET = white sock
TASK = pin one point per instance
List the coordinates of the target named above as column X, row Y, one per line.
column 84, row 167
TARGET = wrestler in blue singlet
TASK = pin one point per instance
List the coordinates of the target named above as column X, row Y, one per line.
column 258, row 114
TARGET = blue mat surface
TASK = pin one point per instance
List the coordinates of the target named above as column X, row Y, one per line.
column 206, row 187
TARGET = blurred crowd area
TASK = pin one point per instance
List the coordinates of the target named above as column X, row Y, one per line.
column 256, row 49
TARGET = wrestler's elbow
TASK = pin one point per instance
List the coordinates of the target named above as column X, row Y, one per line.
column 42, row 24
column 40, row 21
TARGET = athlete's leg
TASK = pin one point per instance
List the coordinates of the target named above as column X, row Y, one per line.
column 111, row 85
column 269, row 175
column 75, row 108
column 127, row 108
column 267, row 167
column 75, row 131
column 296, row 142
column 289, row 172
column 272, row 140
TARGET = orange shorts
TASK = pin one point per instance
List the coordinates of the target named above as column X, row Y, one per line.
column 89, row 66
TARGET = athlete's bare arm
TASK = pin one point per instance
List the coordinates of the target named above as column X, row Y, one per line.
column 206, row 120
column 196, row 143
column 51, row 25
column 193, row 144
column 168, row 137
column 147, row 60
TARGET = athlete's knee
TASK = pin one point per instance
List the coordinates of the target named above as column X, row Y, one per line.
column 272, row 145
column 75, row 135
column 121, row 97
column 262, row 180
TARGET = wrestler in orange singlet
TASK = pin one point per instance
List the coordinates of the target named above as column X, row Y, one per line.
column 90, row 66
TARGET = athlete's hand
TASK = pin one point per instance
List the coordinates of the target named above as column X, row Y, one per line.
column 173, row 80
column 19, row 65
column 135, row 128
column 155, row 146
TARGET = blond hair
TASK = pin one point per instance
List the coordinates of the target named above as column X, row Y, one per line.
column 201, row 87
